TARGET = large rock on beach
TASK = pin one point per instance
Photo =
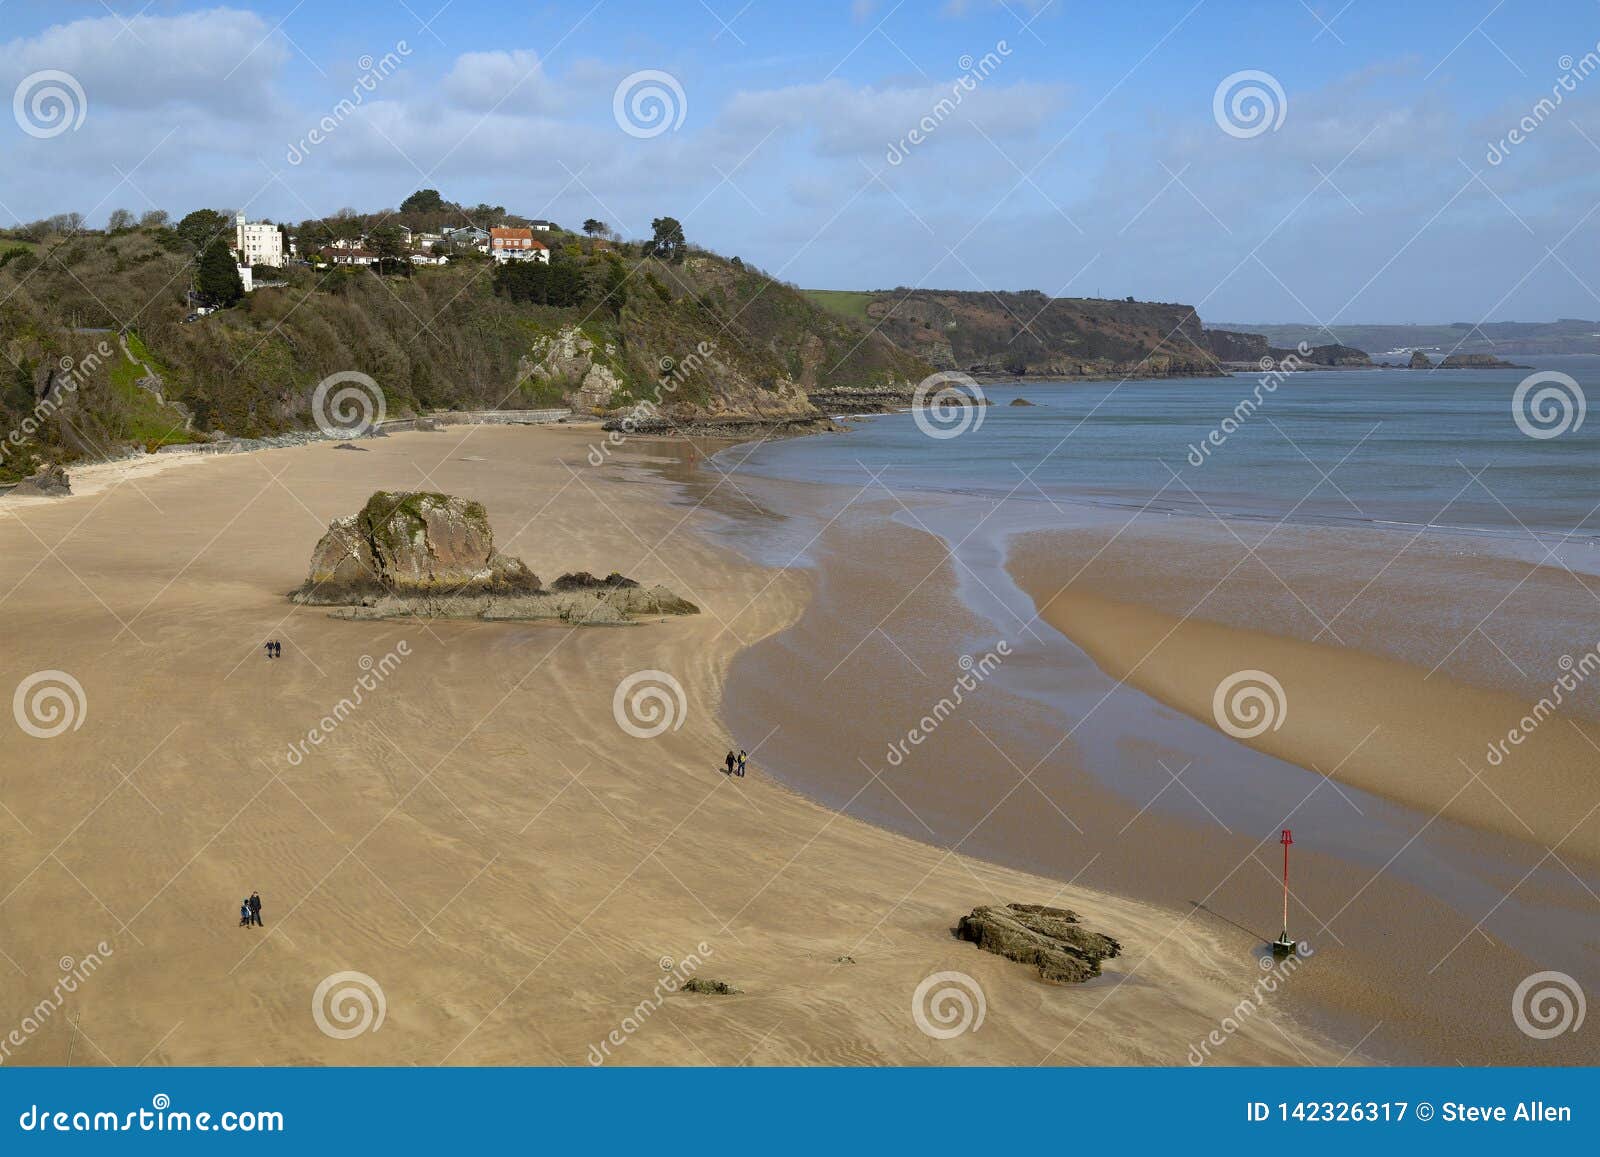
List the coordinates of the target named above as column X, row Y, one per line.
column 409, row 543
column 409, row 554
column 1051, row 939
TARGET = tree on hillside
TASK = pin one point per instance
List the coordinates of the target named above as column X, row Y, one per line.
column 387, row 242
column 118, row 220
column 614, row 283
column 595, row 228
column 217, row 277
column 154, row 219
column 66, row 224
column 668, row 242
column 483, row 216
column 201, row 227
column 535, row 283
column 424, row 201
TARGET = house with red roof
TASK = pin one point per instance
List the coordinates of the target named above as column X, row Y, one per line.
column 507, row 244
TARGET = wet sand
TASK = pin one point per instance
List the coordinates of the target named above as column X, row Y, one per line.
column 1365, row 709
column 1422, row 928
column 480, row 837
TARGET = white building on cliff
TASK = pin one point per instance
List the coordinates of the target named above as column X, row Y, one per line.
column 257, row 243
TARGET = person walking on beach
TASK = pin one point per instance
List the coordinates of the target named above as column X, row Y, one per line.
column 254, row 904
column 743, row 755
column 277, row 649
column 730, row 762
column 244, row 913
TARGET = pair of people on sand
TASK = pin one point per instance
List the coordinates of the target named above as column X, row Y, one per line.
column 736, row 763
column 250, row 910
column 274, row 650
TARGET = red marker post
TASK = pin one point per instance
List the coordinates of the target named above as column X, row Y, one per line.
column 1283, row 945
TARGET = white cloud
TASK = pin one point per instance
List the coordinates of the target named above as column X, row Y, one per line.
column 846, row 120
column 221, row 60
column 483, row 81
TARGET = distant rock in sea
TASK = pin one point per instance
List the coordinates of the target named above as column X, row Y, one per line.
column 1478, row 362
column 1020, row 402
column 51, row 482
column 1050, row 939
column 433, row 555
column 1420, row 361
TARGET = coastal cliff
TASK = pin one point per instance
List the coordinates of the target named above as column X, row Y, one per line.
column 701, row 340
column 1027, row 334
column 1251, row 350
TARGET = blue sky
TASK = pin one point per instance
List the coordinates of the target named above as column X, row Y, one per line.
column 1086, row 157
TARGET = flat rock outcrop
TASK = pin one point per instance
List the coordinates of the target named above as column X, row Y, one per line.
column 423, row 554
column 1050, row 939
column 51, row 482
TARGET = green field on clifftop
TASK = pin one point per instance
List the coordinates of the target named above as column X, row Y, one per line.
column 850, row 303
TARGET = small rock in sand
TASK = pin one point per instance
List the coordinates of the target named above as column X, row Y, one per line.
column 350, row 446
column 1051, row 939
column 711, row 987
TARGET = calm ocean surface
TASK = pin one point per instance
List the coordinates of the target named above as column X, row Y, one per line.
column 1351, row 447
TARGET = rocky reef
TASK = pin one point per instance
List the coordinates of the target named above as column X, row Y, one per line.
column 433, row 555
column 1050, row 939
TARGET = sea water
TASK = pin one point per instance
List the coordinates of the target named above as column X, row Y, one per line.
column 1405, row 448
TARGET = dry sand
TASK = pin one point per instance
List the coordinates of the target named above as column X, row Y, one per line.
column 479, row 836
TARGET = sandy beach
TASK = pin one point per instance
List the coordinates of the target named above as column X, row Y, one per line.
column 480, row 839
